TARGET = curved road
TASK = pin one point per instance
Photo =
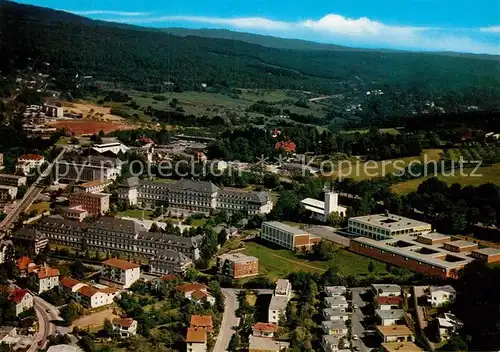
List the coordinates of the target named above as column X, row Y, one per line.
column 45, row 325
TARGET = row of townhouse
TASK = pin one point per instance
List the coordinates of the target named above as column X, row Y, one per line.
column 167, row 253
column 335, row 314
column 190, row 196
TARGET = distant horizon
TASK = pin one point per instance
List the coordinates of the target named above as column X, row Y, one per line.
column 455, row 26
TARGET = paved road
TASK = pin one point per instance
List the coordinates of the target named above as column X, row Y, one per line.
column 31, row 194
column 229, row 320
column 45, row 313
column 357, row 317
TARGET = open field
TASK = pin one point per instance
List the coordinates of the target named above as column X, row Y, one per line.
column 489, row 174
column 95, row 321
column 279, row 263
column 40, row 208
column 91, row 111
column 89, row 127
column 360, row 170
column 136, row 213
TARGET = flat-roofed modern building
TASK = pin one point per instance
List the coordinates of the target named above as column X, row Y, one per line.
column 386, row 226
column 237, row 265
column 93, row 203
column 432, row 238
column 487, row 255
column 288, row 236
column 283, row 288
column 277, row 308
column 320, row 210
column 460, row 246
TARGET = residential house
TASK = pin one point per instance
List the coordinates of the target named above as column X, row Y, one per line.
column 337, row 302
column 384, row 290
column 448, row 325
column 93, row 297
column 277, row 308
column 119, row 273
column 70, row 285
column 335, row 314
column 387, row 303
column 196, row 292
column 125, row 327
column 264, row 329
column 395, row 333
column 46, row 278
column 333, row 291
column 7, row 194
column 196, row 340
column 439, row 295
column 401, row 347
column 22, row 265
column 8, row 335
column 283, row 289
column 331, row 343
column 390, row 317
column 202, row 321
column 335, row 328
column 265, row 344
column 23, row 300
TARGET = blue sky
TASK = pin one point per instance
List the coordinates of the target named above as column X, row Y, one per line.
column 436, row 25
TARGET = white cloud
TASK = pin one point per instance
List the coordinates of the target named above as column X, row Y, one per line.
column 337, row 29
column 493, row 29
column 104, row 12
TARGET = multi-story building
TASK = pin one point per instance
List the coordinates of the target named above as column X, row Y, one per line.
column 97, row 186
column 119, row 273
column 439, row 295
column 31, row 239
column 237, row 265
column 93, row 297
column 84, row 172
column 7, row 193
column 53, row 111
column 187, row 196
column 169, row 262
column 486, row 255
column 277, row 308
column 23, row 300
column 13, row 180
column 76, row 213
column 63, row 232
column 125, row 327
column 28, row 162
column 283, row 288
column 156, row 242
column 288, row 236
column 386, row 226
column 45, row 278
column 93, row 203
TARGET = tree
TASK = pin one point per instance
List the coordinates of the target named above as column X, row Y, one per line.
column 208, row 246
column 371, row 267
column 222, row 237
column 77, row 269
column 234, row 343
column 108, row 327
column 334, row 219
column 87, row 344
column 70, row 312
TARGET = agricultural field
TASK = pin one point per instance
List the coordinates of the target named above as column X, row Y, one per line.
column 474, row 153
column 278, row 263
column 488, row 174
column 360, row 170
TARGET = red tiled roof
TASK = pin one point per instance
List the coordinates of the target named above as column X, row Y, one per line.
column 47, row 272
column 68, row 282
column 168, row 277
column 202, row 321
column 23, row 262
column 196, row 335
column 17, row 295
column 268, row 327
column 121, row 264
column 197, row 295
column 125, row 322
column 191, row 287
column 392, row 300
column 30, row 157
column 88, row 291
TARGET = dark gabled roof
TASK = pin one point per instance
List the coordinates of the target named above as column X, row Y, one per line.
column 118, row 225
column 161, row 238
column 28, row 233
column 257, row 197
column 196, row 186
column 171, row 256
column 59, row 222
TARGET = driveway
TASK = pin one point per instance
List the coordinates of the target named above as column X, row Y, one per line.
column 357, row 318
column 229, row 320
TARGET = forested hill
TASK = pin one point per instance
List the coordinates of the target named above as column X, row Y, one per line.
column 139, row 56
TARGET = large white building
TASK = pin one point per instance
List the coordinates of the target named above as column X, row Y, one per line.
column 321, row 210
column 187, row 196
column 386, row 226
column 46, row 278
column 119, row 273
column 28, row 163
column 288, row 236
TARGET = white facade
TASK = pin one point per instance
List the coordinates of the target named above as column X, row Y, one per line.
column 125, row 330
column 7, row 193
column 119, row 273
column 277, row 308
column 439, row 295
column 386, row 226
column 338, row 302
column 321, row 210
column 95, row 298
column 48, row 283
column 335, row 291
column 390, row 317
column 26, row 303
column 382, row 290
column 283, row 289
column 27, row 163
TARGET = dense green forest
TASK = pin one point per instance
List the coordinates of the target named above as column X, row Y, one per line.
column 143, row 58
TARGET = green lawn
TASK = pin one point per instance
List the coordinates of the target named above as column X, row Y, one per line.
column 489, row 174
column 136, row 213
column 279, row 263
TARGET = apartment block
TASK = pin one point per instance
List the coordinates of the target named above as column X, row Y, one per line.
column 93, row 203
column 237, row 265
column 28, row 163
column 96, row 186
column 13, row 180
column 287, row 236
column 170, row 262
column 31, row 239
column 119, row 273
